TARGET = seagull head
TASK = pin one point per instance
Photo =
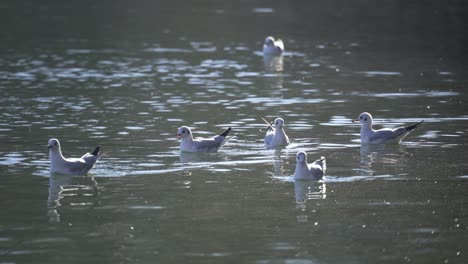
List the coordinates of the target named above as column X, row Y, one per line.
column 54, row 144
column 279, row 123
column 365, row 119
column 301, row 156
column 183, row 132
column 269, row 41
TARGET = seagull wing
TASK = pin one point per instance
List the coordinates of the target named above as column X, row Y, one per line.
column 211, row 144
column 208, row 144
column 269, row 124
column 387, row 134
column 316, row 169
column 279, row 44
column 321, row 163
column 96, row 152
column 76, row 165
column 91, row 158
column 269, row 137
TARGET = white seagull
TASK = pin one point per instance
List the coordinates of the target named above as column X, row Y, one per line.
column 304, row 171
column 188, row 144
column 273, row 47
column 76, row 166
column 275, row 136
column 384, row 135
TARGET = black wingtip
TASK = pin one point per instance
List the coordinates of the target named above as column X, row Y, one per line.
column 270, row 127
column 270, row 124
column 226, row 132
column 96, row 150
column 413, row 126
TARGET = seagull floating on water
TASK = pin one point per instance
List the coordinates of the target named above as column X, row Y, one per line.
column 304, row 171
column 273, row 47
column 188, row 144
column 77, row 166
column 384, row 135
column 275, row 136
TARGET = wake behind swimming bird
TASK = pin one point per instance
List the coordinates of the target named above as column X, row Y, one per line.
column 273, row 47
column 189, row 144
column 275, row 136
column 75, row 166
column 304, row 171
column 384, row 135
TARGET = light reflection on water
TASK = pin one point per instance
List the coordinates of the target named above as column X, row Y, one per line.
column 81, row 191
column 146, row 201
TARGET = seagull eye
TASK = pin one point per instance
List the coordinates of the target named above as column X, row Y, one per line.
column 55, row 143
column 365, row 119
column 360, row 117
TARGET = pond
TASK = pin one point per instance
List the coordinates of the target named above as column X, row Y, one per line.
column 128, row 75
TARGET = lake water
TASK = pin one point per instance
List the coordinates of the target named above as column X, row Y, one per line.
column 127, row 75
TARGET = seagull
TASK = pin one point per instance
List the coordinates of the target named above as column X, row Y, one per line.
column 273, row 47
column 76, row 166
column 275, row 136
column 384, row 135
column 188, row 144
column 304, row 171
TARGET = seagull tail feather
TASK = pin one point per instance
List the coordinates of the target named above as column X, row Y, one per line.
column 268, row 123
column 323, row 163
column 413, row 126
column 96, row 150
column 226, row 132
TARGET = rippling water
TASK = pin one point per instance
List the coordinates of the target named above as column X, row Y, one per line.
column 128, row 87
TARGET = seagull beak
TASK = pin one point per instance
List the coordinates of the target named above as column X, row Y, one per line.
column 49, row 147
column 177, row 135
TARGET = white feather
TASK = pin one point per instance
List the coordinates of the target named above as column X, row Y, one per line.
column 304, row 171
column 384, row 135
column 189, row 144
column 273, row 47
column 275, row 136
column 76, row 166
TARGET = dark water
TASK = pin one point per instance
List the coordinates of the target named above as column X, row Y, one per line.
column 127, row 75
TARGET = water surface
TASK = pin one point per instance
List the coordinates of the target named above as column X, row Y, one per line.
column 128, row 77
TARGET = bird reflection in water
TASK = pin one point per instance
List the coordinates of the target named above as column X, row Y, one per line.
column 305, row 191
column 279, row 158
column 273, row 63
column 79, row 190
column 192, row 157
column 389, row 154
column 274, row 76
